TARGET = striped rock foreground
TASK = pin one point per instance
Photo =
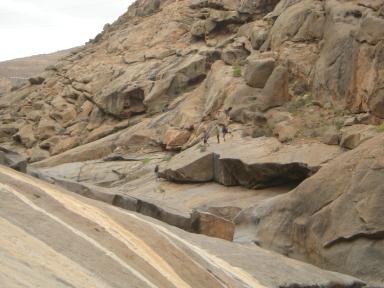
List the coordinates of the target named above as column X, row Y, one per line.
column 52, row 238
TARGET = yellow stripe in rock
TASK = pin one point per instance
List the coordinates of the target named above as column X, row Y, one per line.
column 102, row 219
column 78, row 233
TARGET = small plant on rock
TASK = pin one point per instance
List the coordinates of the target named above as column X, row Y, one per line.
column 236, row 70
column 380, row 128
column 146, row 161
column 338, row 124
column 271, row 126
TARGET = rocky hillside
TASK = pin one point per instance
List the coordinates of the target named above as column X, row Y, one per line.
column 15, row 73
column 298, row 83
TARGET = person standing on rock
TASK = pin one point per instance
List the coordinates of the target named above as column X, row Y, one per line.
column 225, row 131
column 217, row 131
column 205, row 137
column 157, row 172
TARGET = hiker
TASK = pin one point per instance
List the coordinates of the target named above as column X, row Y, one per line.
column 157, row 172
column 205, row 138
column 217, row 131
column 225, row 131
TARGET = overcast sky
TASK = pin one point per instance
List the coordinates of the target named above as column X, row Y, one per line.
column 30, row 27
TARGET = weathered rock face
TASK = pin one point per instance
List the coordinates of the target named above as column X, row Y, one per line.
column 252, row 163
column 334, row 219
column 350, row 52
column 168, row 56
column 257, row 6
column 132, row 248
column 275, row 92
column 165, row 72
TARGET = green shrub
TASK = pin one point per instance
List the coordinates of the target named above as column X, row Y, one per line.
column 380, row 128
column 145, row 161
column 270, row 125
column 236, row 70
column 338, row 124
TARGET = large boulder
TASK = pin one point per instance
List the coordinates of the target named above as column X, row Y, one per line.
column 285, row 131
column 201, row 28
column 257, row 71
column 275, row 93
column 25, row 136
column 46, row 129
column 234, row 55
column 252, row 163
column 211, row 225
column 176, row 138
column 301, row 21
column 215, row 4
column 335, row 219
column 353, row 136
column 256, row 6
column 144, row 7
column 36, row 80
column 190, row 168
column 370, row 31
column 258, row 36
column 36, row 154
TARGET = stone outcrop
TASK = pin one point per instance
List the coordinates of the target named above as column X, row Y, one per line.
column 354, row 135
column 129, row 182
column 333, row 219
column 36, row 80
column 252, row 163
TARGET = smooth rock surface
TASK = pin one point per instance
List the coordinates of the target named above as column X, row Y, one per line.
column 110, row 247
column 333, row 219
